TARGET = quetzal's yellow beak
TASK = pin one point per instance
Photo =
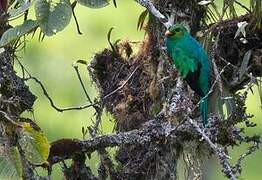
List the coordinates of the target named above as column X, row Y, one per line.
column 168, row 33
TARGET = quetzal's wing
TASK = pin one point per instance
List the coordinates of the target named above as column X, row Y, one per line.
column 189, row 68
column 183, row 61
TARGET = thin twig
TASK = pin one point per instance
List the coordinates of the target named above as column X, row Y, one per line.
column 53, row 104
column 213, row 85
column 104, row 156
column 75, row 66
column 123, row 84
column 93, row 130
column 7, row 117
column 253, row 148
column 75, row 18
column 243, row 6
column 30, row 77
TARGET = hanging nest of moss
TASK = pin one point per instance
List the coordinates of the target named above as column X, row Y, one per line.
column 123, row 80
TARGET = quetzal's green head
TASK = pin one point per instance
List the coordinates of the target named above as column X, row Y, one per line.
column 176, row 31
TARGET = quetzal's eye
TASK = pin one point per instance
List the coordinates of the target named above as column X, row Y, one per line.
column 177, row 30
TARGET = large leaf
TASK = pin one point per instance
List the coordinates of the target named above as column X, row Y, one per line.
column 34, row 144
column 94, row 3
column 11, row 167
column 16, row 32
column 53, row 16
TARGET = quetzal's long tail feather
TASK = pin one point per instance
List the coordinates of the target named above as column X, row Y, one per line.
column 204, row 110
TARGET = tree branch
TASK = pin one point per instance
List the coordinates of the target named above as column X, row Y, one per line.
column 223, row 157
column 152, row 131
column 152, row 9
column 70, row 147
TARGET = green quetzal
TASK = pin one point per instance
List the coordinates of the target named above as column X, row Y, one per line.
column 191, row 61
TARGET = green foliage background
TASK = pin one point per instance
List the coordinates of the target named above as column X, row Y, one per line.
column 51, row 61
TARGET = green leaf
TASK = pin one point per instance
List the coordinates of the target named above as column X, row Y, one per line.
column 94, row 3
column 10, row 163
column 243, row 67
column 19, row 7
column 53, row 16
column 34, row 144
column 80, row 61
column 141, row 20
column 16, row 32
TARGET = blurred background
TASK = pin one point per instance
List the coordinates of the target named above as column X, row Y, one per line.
column 51, row 62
